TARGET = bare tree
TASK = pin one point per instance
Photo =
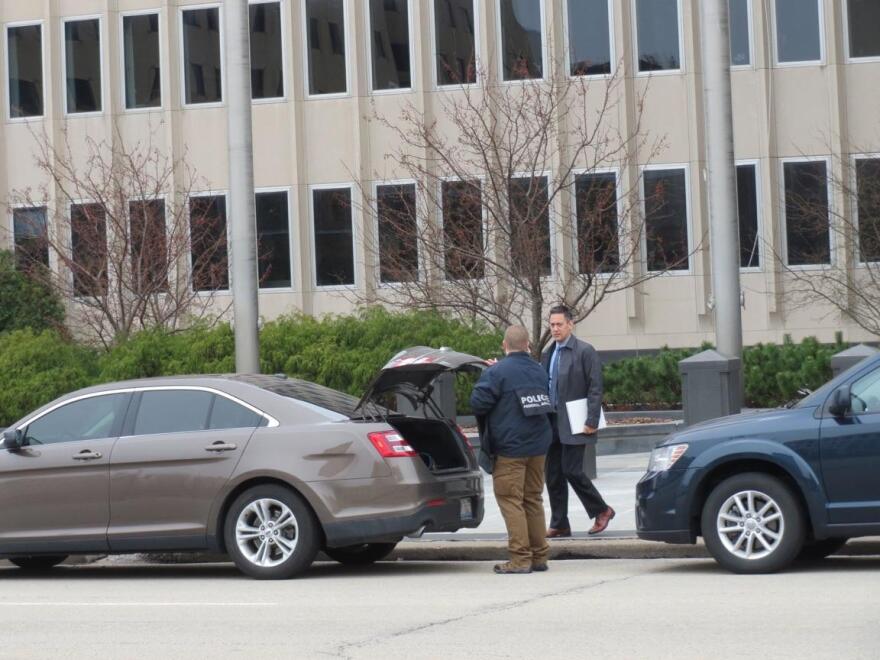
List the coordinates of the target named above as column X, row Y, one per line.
column 130, row 248
column 815, row 225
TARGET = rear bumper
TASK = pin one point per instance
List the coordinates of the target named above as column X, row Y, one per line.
column 445, row 517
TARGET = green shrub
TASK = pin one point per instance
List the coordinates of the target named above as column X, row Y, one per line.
column 38, row 367
column 25, row 302
column 650, row 381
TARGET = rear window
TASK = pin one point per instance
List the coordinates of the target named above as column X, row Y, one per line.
column 312, row 393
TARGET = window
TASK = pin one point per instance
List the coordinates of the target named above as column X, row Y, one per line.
column 82, row 64
column 334, row 242
column 666, row 219
column 521, row 39
column 596, row 213
column 172, row 411
column 207, row 231
column 463, row 229
column 226, row 414
column 806, row 213
column 589, row 37
column 88, row 227
column 149, row 251
column 455, row 42
column 87, row 419
column 798, row 31
column 747, row 203
column 740, row 33
column 273, row 239
column 658, row 37
column 25, row 53
column 140, row 44
column 202, row 57
column 865, row 394
column 30, row 235
column 868, row 208
column 863, row 17
column 398, row 233
column 267, row 66
column 529, row 217
column 389, row 22
column 326, row 57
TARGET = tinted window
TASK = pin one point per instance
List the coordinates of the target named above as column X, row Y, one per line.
column 267, row 69
column 30, row 237
column 463, row 229
column 172, row 411
column 273, row 239
column 521, row 39
column 207, row 226
column 82, row 55
column 202, row 60
column 455, row 42
column 797, row 31
column 657, row 26
column 806, row 213
column 740, row 53
column 864, row 20
column 589, row 37
column 747, row 203
column 865, row 393
column 149, row 250
column 227, row 414
column 666, row 219
column 326, row 19
column 389, row 22
column 25, row 71
column 596, row 209
column 529, row 219
column 868, row 192
column 398, row 232
column 334, row 249
column 86, row 419
column 88, row 226
column 140, row 45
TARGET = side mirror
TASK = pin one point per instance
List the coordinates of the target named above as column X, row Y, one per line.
column 13, row 438
column 841, row 401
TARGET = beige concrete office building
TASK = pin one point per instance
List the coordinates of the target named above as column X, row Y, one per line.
column 806, row 90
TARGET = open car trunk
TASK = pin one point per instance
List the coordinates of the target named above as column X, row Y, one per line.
column 439, row 445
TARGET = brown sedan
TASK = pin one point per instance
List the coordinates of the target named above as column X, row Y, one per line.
column 266, row 468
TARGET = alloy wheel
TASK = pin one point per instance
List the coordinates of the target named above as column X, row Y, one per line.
column 266, row 532
column 750, row 524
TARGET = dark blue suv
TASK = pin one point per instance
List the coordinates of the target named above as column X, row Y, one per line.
column 764, row 488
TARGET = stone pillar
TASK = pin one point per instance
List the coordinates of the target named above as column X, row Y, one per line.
column 710, row 386
column 850, row 357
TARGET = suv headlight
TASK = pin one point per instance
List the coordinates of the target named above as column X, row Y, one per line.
column 664, row 458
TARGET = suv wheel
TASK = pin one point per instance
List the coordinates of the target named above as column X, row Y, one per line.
column 271, row 533
column 752, row 523
column 38, row 562
column 360, row 555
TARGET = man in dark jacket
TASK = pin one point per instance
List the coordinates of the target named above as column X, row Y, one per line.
column 575, row 373
column 512, row 396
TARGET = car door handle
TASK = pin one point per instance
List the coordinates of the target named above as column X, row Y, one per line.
column 221, row 446
column 87, row 455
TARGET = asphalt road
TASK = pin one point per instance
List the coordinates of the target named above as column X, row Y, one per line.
column 682, row 608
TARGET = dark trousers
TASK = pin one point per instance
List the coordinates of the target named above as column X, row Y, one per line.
column 565, row 465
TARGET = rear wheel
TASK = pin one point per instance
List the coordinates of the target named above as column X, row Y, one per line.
column 817, row 550
column 752, row 523
column 271, row 533
column 38, row 562
column 360, row 555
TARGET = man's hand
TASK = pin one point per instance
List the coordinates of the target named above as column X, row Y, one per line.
column 589, row 430
column 492, row 361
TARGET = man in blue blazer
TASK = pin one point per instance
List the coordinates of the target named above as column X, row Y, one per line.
column 575, row 372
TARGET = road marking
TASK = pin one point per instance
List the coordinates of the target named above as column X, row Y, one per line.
column 130, row 604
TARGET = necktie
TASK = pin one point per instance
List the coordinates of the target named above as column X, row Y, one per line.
column 554, row 375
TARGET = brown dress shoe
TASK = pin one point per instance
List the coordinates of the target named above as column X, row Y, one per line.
column 602, row 521
column 554, row 533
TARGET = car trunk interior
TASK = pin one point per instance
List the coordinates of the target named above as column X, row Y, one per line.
column 438, row 444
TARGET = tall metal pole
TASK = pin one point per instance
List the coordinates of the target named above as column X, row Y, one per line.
column 723, row 221
column 242, row 215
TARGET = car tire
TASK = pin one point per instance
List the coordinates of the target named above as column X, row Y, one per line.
column 37, row 562
column 361, row 554
column 752, row 523
column 817, row 550
column 271, row 533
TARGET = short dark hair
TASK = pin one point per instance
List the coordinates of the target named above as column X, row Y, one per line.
column 561, row 309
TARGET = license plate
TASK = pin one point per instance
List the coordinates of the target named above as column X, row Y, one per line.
column 467, row 510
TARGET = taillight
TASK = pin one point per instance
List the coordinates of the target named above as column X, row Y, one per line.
column 390, row 444
column 467, row 440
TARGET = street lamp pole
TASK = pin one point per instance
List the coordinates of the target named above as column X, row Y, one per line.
column 242, row 215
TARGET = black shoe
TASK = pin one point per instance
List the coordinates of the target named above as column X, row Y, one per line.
column 539, row 568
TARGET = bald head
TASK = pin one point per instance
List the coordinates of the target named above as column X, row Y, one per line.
column 516, row 338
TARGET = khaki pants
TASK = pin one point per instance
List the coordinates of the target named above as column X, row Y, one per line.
column 518, row 484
